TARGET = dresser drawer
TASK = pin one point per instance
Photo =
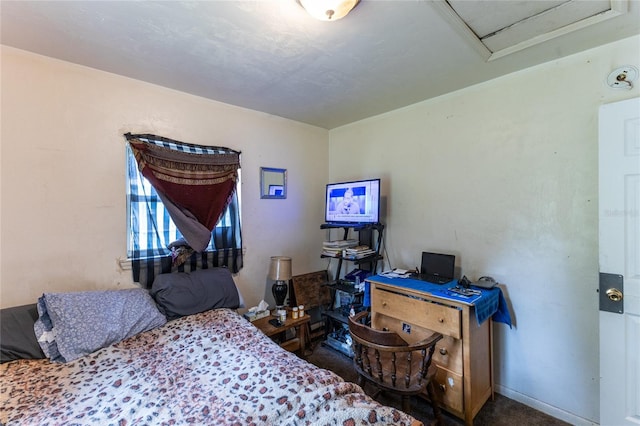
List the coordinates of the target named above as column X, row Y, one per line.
column 448, row 354
column 449, row 389
column 440, row 318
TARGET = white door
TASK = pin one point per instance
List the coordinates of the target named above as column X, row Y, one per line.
column 619, row 233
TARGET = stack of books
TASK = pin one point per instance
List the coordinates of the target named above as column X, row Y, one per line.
column 335, row 248
column 358, row 252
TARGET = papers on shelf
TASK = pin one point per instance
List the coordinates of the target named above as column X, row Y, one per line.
column 331, row 252
column 336, row 248
column 358, row 252
column 397, row 273
column 340, row 244
column 349, row 249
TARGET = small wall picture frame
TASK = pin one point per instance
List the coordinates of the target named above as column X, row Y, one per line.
column 273, row 183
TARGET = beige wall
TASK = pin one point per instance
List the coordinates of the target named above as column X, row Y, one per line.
column 63, row 176
column 505, row 176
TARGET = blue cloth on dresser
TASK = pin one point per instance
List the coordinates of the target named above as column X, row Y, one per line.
column 491, row 303
column 502, row 314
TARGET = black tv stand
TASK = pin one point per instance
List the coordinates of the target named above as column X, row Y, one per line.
column 336, row 319
column 365, row 237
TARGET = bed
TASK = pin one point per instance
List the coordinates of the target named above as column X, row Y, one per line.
column 212, row 367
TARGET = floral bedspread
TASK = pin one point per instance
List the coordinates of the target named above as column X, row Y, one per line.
column 213, row 368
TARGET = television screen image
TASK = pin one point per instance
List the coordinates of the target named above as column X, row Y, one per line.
column 353, row 202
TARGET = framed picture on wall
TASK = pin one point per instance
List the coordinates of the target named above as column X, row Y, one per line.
column 273, row 183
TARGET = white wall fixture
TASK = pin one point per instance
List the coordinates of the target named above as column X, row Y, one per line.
column 623, row 77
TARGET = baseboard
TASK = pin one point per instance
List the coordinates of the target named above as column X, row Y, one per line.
column 543, row 407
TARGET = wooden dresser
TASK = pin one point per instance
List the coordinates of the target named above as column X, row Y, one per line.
column 464, row 378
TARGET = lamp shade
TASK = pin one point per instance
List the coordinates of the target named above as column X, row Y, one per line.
column 280, row 268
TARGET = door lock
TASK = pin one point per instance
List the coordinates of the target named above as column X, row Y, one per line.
column 614, row 294
column 611, row 291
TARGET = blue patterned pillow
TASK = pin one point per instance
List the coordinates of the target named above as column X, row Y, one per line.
column 71, row 325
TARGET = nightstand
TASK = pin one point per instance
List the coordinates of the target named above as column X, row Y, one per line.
column 295, row 344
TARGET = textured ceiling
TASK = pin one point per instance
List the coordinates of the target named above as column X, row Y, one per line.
column 272, row 57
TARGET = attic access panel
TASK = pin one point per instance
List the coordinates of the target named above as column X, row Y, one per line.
column 498, row 28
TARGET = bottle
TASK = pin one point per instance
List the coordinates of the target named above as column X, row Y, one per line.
column 294, row 312
column 301, row 311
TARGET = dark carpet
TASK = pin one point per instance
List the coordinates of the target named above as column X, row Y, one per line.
column 501, row 411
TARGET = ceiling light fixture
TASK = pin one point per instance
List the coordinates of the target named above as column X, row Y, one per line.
column 328, row 10
column 623, row 77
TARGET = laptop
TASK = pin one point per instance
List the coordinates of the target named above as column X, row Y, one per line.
column 437, row 268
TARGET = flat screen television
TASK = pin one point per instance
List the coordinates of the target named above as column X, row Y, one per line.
column 356, row 202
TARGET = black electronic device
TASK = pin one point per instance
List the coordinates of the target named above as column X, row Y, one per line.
column 275, row 322
column 437, row 268
column 353, row 203
column 464, row 282
column 485, row 282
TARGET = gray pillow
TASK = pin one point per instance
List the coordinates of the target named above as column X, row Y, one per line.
column 187, row 293
column 72, row 325
column 17, row 339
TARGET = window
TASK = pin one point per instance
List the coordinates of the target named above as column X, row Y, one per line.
column 150, row 229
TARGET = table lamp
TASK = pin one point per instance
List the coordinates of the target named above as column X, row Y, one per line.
column 280, row 272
